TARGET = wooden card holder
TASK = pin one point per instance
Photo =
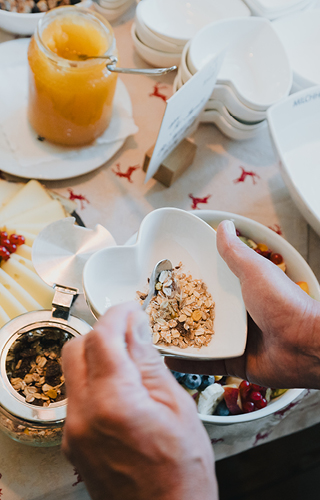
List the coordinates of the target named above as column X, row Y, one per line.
column 175, row 164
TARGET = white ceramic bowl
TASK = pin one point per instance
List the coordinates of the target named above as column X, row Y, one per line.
column 276, row 13
column 115, row 275
column 25, row 24
column 256, row 65
column 150, row 38
column 178, row 21
column 295, row 130
column 215, row 104
column 297, row 270
column 112, row 12
column 226, row 128
column 300, row 36
column 155, row 58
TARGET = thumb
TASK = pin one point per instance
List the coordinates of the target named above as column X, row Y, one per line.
column 241, row 259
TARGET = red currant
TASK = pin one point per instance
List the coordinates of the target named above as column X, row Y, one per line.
column 4, row 253
column 3, row 235
column 13, row 238
column 266, row 254
column 238, row 232
column 262, row 403
column 256, row 387
column 276, row 258
column 258, row 251
column 5, row 242
column 11, row 247
column 21, row 240
column 248, row 407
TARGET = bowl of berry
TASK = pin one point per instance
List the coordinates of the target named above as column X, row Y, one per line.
column 229, row 400
column 20, row 17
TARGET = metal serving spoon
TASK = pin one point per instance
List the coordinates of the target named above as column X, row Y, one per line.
column 163, row 265
column 111, row 65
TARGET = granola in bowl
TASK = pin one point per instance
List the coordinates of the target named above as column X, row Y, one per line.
column 182, row 311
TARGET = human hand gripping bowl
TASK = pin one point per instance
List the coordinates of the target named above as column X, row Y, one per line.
column 281, row 348
column 114, row 275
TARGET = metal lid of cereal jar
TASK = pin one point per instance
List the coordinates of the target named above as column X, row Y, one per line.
column 15, row 399
column 61, row 250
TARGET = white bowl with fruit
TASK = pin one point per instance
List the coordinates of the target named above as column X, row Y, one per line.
column 228, row 400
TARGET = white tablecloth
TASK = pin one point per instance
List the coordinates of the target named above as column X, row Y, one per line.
column 120, row 203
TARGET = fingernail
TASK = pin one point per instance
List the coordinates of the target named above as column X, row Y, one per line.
column 230, row 227
column 140, row 327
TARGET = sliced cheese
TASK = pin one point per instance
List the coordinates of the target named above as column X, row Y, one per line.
column 4, row 318
column 20, row 294
column 10, row 304
column 30, row 228
column 8, row 190
column 30, row 281
column 24, row 251
column 50, row 212
column 23, row 261
column 32, row 195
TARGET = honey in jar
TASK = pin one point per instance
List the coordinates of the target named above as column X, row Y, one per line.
column 70, row 100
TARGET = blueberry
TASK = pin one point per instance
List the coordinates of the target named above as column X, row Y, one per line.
column 206, row 381
column 192, row 381
column 177, row 375
column 222, row 410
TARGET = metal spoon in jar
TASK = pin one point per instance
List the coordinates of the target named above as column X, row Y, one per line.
column 133, row 71
column 163, row 265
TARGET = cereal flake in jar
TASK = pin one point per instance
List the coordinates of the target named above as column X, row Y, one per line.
column 70, row 100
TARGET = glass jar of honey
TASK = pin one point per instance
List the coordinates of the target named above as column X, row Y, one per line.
column 70, row 99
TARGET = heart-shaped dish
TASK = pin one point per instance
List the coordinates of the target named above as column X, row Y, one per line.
column 114, row 275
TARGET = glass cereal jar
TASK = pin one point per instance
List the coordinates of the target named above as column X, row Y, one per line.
column 70, row 100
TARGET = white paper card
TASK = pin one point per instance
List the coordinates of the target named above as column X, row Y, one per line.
column 182, row 111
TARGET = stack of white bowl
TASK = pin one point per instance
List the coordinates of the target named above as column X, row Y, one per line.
column 112, row 9
column 273, row 9
column 300, row 35
column 255, row 73
column 163, row 27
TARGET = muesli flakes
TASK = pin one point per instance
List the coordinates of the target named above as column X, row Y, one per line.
column 182, row 312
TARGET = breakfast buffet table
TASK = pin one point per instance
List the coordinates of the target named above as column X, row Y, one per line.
column 236, row 176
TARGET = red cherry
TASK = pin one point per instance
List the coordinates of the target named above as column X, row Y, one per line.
column 262, row 403
column 276, row 258
column 248, row 407
column 4, row 253
column 13, row 238
column 11, row 247
column 255, row 396
column 21, row 240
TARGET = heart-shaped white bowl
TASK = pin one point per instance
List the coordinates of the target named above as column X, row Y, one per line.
column 256, row 65
column 114, row 275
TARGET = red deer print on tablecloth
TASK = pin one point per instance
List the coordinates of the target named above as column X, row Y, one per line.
column 245, row 174
column 282, row 412
column 80, row 197
column 197, row 201
column 127, row 174
column 78, row 477
column 156, row 92
column 276, row 228
column 216, row 440
column 261, row 437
